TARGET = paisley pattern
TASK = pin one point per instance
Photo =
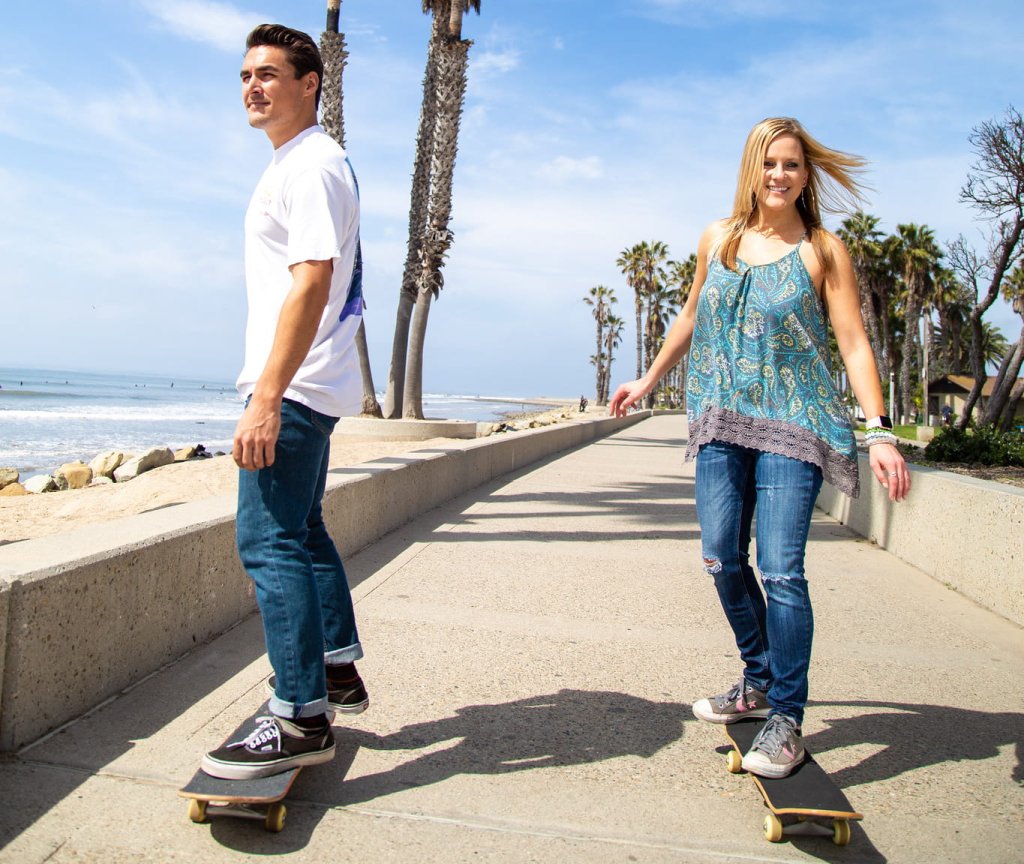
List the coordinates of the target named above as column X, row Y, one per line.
column 759, row 373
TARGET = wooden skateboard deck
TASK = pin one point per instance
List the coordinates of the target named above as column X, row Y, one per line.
column 259, row 798
column 805, row 802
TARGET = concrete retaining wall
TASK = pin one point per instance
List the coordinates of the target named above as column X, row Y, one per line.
column 87, row 613
column 965, row 532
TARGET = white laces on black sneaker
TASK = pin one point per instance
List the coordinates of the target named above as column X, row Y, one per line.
column 264, row 738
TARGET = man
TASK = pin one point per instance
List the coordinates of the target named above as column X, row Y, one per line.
column 301, row 372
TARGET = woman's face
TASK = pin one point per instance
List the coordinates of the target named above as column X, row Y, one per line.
column 784, row 174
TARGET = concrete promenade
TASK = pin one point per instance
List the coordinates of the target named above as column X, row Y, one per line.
column 533, row 648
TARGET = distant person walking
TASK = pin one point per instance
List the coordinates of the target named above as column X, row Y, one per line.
column 301, row 372
column 765, row 421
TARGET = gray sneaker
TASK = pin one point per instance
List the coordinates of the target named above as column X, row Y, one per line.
column 777, row 749
column 740, row 702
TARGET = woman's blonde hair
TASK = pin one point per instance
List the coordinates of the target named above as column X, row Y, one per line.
column 842, row 195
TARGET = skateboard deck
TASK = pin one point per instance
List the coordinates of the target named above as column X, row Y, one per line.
column 806, row 802
column 259, row 798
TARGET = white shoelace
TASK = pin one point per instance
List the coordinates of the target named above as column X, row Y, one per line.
column 265, row 737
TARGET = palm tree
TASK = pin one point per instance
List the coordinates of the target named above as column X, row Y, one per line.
column 332, row 49
column 612, row 337
column 652, row 270
column 679, row 277
column 452, row 56
column 918, row 255
column 629, row 263
column 643, row 267
column 952, row 304
column 419, row 198
column 864, row 242
column 601, row 298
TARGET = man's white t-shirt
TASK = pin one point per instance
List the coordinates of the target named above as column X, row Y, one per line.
column 306, row 208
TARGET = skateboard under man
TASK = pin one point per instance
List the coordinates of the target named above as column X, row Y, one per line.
column 806, row 802
column 260, row 798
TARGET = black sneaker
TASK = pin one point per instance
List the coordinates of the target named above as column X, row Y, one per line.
column 276, row 745
column 343, row 696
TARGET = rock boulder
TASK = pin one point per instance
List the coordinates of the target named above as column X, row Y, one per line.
column 146, row 462
column 40, row 483
column 72, row 475
column 8, row 476
column 105, row 464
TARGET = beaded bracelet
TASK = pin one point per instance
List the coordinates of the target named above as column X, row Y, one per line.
column 879, row 436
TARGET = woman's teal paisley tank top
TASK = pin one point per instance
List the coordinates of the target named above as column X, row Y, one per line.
column 759, row 373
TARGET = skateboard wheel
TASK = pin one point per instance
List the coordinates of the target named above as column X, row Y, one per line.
column 734, row 762
column 197, row 810
column 772, row 828
column 840, row 832
column 275, row 818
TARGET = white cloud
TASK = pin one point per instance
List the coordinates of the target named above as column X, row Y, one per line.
column 494, row 62
column 218, row 24
column 564, row 168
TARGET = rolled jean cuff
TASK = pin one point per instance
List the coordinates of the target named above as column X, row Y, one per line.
column 291, row 711
column 341, row 656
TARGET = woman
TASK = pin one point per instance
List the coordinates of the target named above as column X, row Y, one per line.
column 766, row 423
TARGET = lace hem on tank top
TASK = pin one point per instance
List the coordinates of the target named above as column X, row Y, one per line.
column 774, row 436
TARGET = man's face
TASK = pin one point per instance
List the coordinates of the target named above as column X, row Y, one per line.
column 275, row 100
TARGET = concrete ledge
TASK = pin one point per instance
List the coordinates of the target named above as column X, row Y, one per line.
column 85, row 615
column 964, row 532
column 405, row 430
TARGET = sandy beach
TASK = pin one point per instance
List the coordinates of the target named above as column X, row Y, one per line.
column 26, row 517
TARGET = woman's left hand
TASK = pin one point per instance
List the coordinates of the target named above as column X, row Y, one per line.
column 891, row 470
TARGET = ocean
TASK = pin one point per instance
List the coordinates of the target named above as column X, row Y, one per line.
column 52, row 416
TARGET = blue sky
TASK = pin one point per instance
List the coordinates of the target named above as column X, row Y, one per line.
column 126, row 161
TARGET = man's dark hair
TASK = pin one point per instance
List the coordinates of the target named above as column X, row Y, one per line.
column 299, row 48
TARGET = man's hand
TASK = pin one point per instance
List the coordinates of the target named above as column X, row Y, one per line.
column 256, row 434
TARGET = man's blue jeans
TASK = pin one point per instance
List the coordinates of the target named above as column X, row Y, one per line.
column 774, row 637
column 301, row 587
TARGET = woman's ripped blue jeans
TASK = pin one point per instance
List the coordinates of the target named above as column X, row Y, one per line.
column 774, row 629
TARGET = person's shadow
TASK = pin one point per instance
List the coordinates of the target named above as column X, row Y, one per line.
column 570, row 727
column 913, row 736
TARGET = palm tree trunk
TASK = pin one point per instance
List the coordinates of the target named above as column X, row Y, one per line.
column 452, row 60
column 419, row 199
column 371, row 407
column 639, row 335
column 888, row 364
column 414, row 367
column 335, row 57
column 332, row 49
column 869, row 315
column 913, row 313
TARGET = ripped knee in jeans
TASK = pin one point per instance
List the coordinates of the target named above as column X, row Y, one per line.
column 779, row 577
column 712, row 566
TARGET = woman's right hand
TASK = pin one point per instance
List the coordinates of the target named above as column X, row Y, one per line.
column 626, row 396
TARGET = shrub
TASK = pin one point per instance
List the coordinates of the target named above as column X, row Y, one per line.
column 978, row 444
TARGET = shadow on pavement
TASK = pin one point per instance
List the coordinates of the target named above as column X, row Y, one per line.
column 570, row 727
column 915, row 736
